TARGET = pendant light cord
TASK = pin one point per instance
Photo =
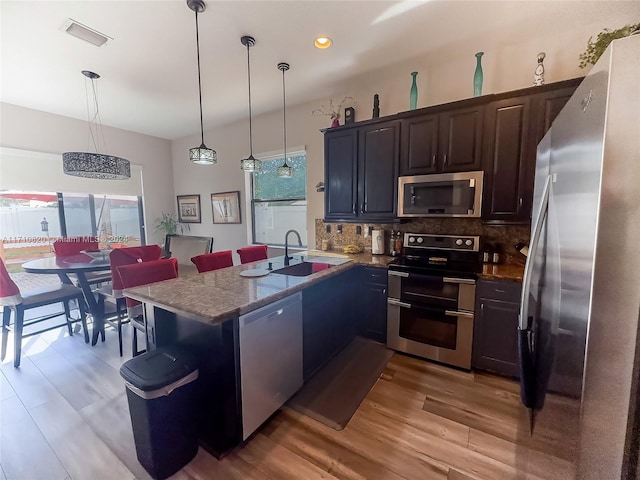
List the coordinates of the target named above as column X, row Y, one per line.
column 284, row 119
column 250, row 126
column 199, row 83
column 94, row 121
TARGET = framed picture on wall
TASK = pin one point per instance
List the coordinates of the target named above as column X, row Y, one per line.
column 189, row 209
column 226, row 207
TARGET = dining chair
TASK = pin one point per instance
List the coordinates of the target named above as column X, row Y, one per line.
column 183, row 247
column 74, row 245
column 12, row 300
column 213, row 261
column 138, row 274
column 69, row 246
column 112, row 293
column 252, row 253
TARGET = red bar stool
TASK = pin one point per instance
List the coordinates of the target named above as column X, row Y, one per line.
column 213, row 261
column 253, row 253
column 113, row 293
column 144, row 273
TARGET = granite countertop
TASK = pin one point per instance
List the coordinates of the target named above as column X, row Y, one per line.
column 502, row 271
column 218, row 295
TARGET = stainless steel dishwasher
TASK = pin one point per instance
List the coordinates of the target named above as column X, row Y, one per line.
column 270, row 359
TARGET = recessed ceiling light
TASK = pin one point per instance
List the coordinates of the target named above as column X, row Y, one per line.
column 322, row 42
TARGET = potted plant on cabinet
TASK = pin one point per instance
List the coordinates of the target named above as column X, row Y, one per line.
column 595, row 48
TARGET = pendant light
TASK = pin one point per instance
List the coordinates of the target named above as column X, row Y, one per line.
column 201, row 155
column 285, row 171
column 249, row 164
column 95, row 165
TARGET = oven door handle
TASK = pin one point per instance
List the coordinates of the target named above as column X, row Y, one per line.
column 464, row 281
column 393, row 273
column 451, row 313
column 398, row 303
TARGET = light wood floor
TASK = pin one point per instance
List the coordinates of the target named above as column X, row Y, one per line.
column 64, row 415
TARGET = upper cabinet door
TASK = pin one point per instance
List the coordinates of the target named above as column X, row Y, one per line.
column 378, row 157
column 508, row 154
column 460, row 146
column 419, row 145
column 341, row 187
column 547, row 107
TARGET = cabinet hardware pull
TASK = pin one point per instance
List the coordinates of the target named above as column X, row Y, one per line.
column 384, row 291
column 433, row 160
column 446, row 159
column 355, row 209
column 362, row 207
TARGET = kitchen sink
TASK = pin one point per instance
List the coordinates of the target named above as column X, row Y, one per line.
column 302, row 269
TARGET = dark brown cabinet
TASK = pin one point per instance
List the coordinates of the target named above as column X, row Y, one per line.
column 495, row 346
column 328, row 320
column 513, row 127
column 509, row 150
column 341, row 180
column 450, row 141
column 372, row 313
column 361, row 172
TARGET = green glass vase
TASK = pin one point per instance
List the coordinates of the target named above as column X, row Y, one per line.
column 477, row 76
column 413, row 96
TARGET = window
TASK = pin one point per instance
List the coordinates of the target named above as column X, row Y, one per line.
column 31, row 221
column 279, row 204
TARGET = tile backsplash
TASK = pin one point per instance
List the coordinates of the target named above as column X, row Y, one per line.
column 504, row 235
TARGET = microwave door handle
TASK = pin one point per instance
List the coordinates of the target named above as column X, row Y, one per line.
column 523, row 323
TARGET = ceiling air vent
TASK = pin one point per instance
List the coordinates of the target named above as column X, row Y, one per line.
column 85, row 33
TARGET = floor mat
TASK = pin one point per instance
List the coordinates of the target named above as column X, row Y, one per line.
column 334, row 394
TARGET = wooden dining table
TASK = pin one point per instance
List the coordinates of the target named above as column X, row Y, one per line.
column 79, row 265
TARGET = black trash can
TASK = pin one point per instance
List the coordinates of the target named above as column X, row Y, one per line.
column 161, row 390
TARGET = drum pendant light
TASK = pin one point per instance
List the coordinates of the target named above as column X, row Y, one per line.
column 95, row 165
column 201, row 155
column 285, row 171
column 249, row 164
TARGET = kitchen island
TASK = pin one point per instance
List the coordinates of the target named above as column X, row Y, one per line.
column 203, row 313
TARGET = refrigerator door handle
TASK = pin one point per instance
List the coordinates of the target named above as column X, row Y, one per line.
column 523, row 323
column 526, row 360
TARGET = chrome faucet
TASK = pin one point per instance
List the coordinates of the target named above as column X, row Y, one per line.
column 286, row 245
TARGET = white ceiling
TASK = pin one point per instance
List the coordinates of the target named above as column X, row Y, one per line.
column 149, row 75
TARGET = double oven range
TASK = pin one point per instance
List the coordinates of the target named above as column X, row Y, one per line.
column 431, row 297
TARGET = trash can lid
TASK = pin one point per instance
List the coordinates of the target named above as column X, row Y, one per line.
column 158, row 368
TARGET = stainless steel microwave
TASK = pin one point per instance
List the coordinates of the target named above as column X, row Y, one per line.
column 441, row 195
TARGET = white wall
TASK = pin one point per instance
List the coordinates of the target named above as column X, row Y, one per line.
column 444, row 76
column 33, row 130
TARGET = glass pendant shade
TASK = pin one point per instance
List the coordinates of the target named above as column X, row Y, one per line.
column 285, row 171
column 249, row 164
column 90, row 164
column 201, row 155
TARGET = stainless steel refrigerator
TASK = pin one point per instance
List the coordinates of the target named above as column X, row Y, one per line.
column 578, row 331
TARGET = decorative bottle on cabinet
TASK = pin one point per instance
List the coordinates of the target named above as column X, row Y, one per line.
column 477, row 76
column 413, row 97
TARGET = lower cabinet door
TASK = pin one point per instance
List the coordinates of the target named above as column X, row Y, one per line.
column 372, row 311
column 373, row 315
column 495, row 345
